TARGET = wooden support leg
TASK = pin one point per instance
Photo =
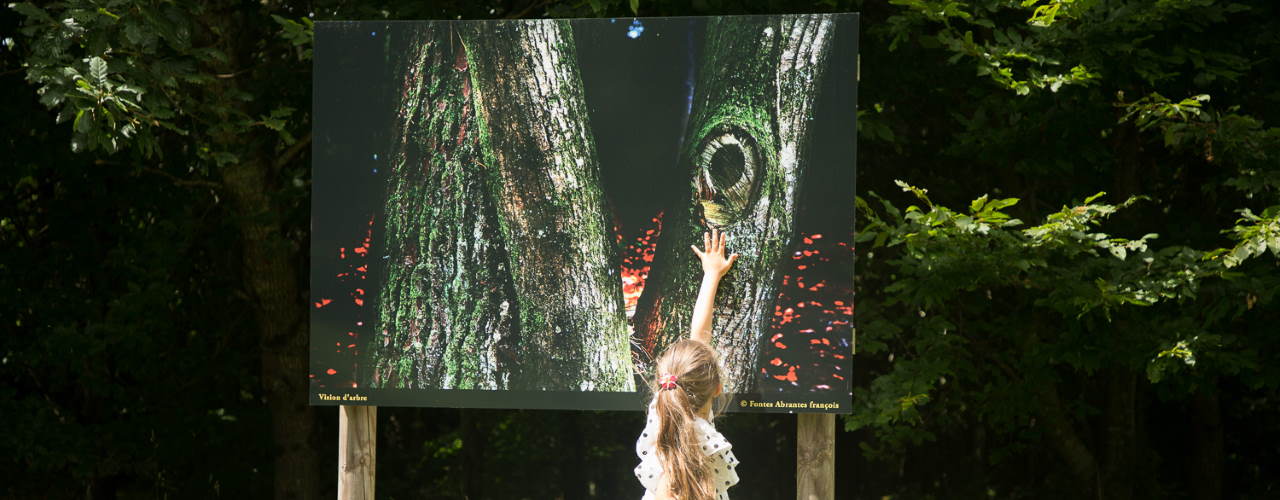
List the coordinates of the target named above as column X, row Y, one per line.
column 357, row 451
column 815, row 456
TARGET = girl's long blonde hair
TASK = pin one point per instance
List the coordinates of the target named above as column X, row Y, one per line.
column 679, row 447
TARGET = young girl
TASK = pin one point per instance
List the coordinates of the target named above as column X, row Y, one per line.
column 682, row 457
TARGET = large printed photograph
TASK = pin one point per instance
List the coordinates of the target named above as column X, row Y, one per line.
column 502, row 211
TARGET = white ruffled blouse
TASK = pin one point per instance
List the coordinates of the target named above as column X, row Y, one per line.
column 714, row 445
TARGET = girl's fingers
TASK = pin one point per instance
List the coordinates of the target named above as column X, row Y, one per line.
column 733, row 258
column 714, row 242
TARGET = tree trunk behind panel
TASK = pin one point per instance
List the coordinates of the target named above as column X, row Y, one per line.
column 745, row 156
column 271, row 280
column 269, row 272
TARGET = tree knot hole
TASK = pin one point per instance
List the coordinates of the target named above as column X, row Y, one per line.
column 727, row 167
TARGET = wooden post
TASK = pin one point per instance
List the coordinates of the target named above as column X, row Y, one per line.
column 815, row 456
column 357, row 451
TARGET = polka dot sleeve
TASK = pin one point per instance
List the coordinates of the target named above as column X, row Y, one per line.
column 714, row 445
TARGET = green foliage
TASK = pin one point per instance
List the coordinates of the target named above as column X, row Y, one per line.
column 977, row 313
column 119, row 354
column 131, row 255
column 301, row 34
column 1013, row 57
column 1047, row 13
column 89, row 66
column 1254, row 234
column 1169, row 358
column 984, row 248
column 126, row 73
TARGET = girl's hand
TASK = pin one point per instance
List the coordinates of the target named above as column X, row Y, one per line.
column 713, row 260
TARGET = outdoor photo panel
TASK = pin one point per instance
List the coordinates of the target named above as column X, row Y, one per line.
column 502, row 211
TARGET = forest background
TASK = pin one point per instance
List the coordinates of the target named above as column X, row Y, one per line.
column 1019, row 334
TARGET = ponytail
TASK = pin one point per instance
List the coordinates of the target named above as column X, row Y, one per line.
column 690, row 378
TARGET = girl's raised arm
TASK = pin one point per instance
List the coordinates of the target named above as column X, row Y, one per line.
column 714, row 266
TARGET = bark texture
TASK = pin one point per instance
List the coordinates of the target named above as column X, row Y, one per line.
column 545, row 177
column 500, row 271
column 446, row 309
column 745, row 158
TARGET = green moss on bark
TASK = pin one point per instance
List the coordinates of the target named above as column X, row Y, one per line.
column 542, row 167
column 500, row 264
column 739, row 105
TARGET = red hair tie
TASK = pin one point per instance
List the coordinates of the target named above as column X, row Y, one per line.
column 667, row 381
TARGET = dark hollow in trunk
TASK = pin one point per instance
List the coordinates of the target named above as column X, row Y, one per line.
column 745, row 160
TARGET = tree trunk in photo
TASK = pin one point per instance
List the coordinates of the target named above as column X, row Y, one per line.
column 745, row 158
column 500, row 272
column 446, row 309
column 545, row 177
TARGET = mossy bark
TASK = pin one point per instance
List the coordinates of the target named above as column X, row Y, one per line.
column 446, row 310
column 745, row 159
column 500, row 272
column 545, row 177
